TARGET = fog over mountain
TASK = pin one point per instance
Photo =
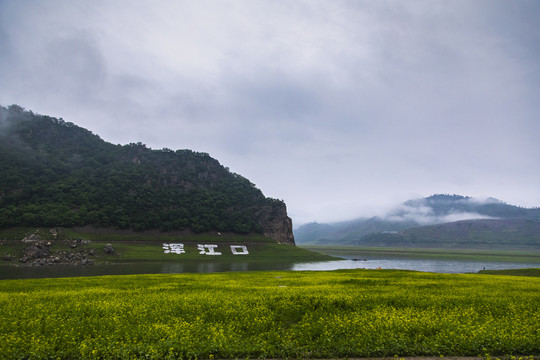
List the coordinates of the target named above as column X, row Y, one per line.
column 438, row 209
column 435, row 209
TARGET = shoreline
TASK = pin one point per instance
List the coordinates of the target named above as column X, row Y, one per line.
column 515, row 255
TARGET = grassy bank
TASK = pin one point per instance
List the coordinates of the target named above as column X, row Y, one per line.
column 133, row 247
column 430, row 253
column 257, row 252
column 354, row 313
column 127, row 252
column 114, row 235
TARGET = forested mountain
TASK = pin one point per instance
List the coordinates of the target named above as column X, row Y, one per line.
column 54, row 173
column 347, row 232
column 414, row 222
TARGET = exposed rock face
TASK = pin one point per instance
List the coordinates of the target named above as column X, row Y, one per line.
column 278, row 226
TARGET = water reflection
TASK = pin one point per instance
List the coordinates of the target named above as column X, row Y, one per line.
column 439, row 266
column 172, row 268
column 25, row 272
column 239, row 266
column 207, row 267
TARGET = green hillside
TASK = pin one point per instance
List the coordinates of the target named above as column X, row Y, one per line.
column 479, row 234
column 56, row 174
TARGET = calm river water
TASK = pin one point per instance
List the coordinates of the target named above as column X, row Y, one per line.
column 439, row 266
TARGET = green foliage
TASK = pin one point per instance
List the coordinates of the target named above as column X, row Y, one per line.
column 342, row 314
column 55, row 173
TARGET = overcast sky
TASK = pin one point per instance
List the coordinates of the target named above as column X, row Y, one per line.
column 340, row 108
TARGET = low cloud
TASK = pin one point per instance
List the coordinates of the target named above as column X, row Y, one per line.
column 421, row 212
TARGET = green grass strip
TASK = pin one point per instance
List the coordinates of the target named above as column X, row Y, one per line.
column 432, row 253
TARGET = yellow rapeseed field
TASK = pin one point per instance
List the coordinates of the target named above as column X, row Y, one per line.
column 339, row 314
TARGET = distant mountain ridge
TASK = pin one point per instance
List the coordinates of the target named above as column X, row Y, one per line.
column 54, row 173
column 502, row 234
column 445, row 205
column 431, row 221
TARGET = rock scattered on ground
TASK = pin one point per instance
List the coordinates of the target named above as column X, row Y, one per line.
column 109, row 249
column 73, row 243
column 38, row 252
column 32, row 237
column 8, row 257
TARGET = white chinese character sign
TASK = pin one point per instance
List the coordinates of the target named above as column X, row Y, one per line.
column 207, row 249
column 239, row 250
column 204, row 249
column 174, row 248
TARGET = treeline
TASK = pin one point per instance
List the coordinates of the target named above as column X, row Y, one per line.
column 54, row 173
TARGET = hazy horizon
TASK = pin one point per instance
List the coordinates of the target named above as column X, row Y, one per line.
column 421, row 214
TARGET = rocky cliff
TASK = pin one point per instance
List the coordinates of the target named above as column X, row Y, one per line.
column 278, row 226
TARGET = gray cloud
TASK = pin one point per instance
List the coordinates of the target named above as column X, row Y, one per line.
column 340, row 108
